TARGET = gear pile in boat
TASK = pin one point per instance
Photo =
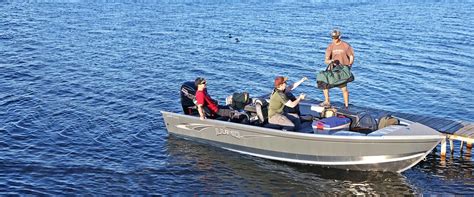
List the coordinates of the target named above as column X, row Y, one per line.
column 320, row 120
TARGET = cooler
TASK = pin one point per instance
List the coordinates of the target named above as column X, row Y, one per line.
column 331, row 124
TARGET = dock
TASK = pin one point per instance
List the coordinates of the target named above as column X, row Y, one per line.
column 452, row 130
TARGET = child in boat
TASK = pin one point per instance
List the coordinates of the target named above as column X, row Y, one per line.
column 278, row 100
column 203, row 100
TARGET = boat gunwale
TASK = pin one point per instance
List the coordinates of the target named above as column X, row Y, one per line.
column 298, row 135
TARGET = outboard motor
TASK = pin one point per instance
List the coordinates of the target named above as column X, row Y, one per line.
column 188, row 92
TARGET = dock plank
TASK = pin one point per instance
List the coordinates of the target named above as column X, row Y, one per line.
column 451, row 128
column 466, row 135
column 469, row 126
column 440, row 123
column 466, row 131
column 425, row 119
column 416, row 118
column 435, row 123
column 408, row 116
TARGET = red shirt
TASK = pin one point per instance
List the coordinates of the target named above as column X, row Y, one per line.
column 205, row 100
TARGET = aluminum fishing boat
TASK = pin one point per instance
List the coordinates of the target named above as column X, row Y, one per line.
column 393, row 148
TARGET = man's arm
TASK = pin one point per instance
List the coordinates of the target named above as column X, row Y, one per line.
column 200, row 104
column 327, row 60
column 292, row 104
column 202, row 115
column 295, row 85
column 351, row 55
column 327, row 57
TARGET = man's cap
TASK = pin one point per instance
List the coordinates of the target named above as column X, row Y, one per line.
column 280, row 80
column 199, row 81
column 336, row 33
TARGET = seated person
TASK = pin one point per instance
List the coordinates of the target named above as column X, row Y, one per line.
column 204, row 100
column 278, row 100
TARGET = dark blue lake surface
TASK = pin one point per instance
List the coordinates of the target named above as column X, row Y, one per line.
column 82, row 85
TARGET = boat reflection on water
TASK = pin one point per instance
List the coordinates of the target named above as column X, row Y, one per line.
column 217, row 171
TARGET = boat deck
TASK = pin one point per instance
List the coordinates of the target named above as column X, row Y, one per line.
column 453, row 130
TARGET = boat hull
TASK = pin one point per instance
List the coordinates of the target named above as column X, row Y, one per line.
column 361, row 153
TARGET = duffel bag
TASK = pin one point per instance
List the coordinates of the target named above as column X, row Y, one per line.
column 337, row 76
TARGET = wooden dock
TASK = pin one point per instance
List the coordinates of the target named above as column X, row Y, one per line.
column 453, row 130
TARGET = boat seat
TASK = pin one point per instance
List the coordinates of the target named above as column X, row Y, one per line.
column 255, row 113
column 193, row 111
column 250, row 108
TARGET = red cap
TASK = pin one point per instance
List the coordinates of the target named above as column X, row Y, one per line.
column 280, row 80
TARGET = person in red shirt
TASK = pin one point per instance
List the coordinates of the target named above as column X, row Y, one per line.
column 203, row 100
column 338, row 52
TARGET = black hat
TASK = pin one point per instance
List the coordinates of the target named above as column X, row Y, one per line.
column 336, row 33
column 199, row 80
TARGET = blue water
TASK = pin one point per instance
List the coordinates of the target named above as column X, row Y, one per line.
column 82, row 84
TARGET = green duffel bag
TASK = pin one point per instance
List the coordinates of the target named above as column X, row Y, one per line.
column 340, row 74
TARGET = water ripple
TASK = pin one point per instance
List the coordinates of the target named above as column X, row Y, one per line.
column 82, row 85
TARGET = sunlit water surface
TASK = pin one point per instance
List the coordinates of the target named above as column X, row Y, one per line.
column 82, row 85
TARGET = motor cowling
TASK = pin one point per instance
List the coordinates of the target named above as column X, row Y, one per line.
column 188, row 94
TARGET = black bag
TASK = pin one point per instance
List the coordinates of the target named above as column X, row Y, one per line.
column 240, row 100
column 365, row 123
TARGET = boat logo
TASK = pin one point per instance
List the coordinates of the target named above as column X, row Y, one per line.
column 226, row 131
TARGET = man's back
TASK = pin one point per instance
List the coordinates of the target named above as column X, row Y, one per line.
column 277, row 103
